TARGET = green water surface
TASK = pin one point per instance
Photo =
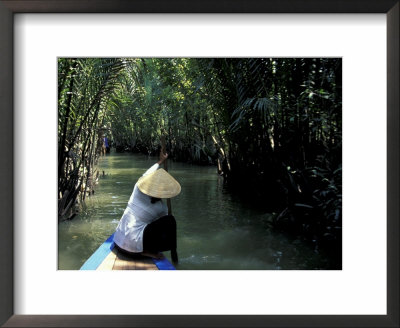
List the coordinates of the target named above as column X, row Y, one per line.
column 215, row 230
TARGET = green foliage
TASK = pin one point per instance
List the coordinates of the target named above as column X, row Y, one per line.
column 84, row 87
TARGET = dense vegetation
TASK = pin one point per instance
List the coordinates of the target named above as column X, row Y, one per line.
column 272, row 127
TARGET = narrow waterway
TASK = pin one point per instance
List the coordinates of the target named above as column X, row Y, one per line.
column 215, row 231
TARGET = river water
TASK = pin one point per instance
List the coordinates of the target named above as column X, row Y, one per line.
column 215, row 230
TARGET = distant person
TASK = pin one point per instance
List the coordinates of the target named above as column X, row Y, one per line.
column 106, row 145
column 145, row 227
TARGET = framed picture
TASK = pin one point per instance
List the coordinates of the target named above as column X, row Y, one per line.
column 231, row 288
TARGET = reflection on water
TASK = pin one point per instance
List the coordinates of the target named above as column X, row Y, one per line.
column 214, row 231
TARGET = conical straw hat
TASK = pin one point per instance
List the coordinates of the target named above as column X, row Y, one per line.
column 159, row 184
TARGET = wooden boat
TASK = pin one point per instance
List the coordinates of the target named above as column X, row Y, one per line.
column 107, row 257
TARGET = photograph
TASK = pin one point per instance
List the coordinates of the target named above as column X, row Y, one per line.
column 199, row 163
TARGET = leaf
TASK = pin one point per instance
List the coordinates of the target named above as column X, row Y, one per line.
column 303, row 205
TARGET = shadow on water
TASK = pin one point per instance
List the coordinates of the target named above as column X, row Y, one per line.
column 215, row 230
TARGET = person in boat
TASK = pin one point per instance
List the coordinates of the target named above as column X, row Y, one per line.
column 145, row 227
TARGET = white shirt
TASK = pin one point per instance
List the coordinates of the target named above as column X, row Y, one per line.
column 137, row 215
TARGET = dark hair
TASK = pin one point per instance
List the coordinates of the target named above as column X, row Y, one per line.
column 154, row 199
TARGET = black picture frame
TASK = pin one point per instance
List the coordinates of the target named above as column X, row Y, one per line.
column 7, row 198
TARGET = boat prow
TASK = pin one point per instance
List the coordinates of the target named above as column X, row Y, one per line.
column 107, row 257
